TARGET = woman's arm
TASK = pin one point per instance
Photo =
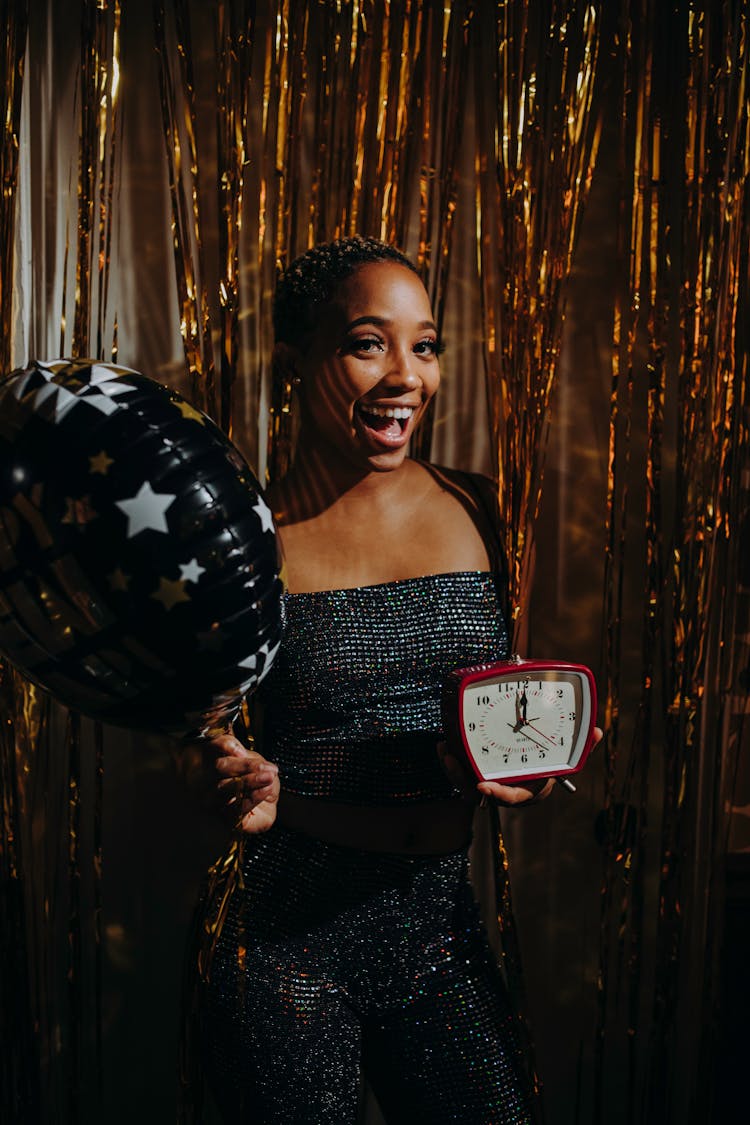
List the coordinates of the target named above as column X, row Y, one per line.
column 249, row 782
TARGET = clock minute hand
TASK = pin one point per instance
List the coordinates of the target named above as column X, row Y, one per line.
column 541, row 732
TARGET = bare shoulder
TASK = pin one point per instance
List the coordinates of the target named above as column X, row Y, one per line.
column 477, row 493
column 451, row 519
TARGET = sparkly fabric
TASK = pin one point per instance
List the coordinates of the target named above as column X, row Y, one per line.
column 331, row 959
column 351, row 707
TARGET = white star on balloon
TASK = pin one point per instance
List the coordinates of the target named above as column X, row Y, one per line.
column 270, row 657
column 264, row 512
column 101, row 397
column 103, row 373
column 146, row 510
column 191, row 572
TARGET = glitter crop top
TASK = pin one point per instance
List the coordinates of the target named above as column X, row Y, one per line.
column 351, row 706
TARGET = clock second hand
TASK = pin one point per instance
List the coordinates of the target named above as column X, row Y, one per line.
column 534, row 740
column 528, row 724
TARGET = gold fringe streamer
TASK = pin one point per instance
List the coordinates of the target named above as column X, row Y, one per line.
column 15, row 19
column 179, row 126
column 532, row 184
column 97, row 172
column 234, row 35
column 531, row 188
column 18, row 1042
column 685, row 90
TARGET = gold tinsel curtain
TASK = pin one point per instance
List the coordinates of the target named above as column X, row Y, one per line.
column 165, row 160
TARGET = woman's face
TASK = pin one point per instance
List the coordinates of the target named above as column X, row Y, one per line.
column 371, row 368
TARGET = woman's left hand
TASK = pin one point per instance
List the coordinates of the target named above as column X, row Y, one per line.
column 249, row 782
column 529, row 793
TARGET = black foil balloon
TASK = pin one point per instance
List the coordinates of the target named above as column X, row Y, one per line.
column 139, row 567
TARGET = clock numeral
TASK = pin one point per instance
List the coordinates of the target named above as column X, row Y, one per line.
column 542, row 754
column 524, row 758
column 472, row 726
column 559, row 693
column 572, row 716
column 483, row 700
column 505, row 759
column 485, row 750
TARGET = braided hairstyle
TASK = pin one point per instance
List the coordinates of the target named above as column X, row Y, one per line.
column 312, row 279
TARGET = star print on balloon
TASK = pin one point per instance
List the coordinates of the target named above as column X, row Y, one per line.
column 146, row 510
column 264, row 514
column 191, row 572
column 139, row 570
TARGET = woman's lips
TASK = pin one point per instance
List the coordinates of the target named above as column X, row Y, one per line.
column 385, row 425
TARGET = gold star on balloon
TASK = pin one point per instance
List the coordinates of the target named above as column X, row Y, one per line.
column 188, row 411
column 171, row 592
column 100, row 463
column 118, row 580
column 79, row 511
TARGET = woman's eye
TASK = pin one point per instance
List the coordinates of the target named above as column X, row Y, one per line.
column 365, row 344
column 428, row 347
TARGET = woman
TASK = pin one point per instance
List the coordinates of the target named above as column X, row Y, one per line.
column 353, row 940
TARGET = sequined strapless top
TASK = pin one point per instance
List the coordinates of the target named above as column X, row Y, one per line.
column 351, row 706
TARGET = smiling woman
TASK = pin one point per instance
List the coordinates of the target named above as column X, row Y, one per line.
column 352, row 940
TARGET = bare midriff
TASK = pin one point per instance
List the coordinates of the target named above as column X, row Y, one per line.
column 428, row 828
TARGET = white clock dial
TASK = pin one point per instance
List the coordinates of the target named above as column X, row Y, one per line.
column 524, row 723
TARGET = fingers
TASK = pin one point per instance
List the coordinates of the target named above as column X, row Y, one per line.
column 227, row 744
column 257, row 781
column 527, row 794
column 250, row 764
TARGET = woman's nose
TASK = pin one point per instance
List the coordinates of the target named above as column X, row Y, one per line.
column 404, row 368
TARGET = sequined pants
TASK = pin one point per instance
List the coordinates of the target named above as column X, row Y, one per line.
column 333, row 960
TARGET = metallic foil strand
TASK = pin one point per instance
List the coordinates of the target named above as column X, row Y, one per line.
column 15, row 21
column 179, row 124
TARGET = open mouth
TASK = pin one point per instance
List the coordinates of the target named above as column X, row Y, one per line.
column 388, row 423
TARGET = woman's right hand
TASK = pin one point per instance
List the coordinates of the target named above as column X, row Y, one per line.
column 249, row 782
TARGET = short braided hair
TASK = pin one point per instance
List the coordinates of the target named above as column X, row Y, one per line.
column 312, row 278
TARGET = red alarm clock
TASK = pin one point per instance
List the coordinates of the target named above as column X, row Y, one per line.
column 516, row 719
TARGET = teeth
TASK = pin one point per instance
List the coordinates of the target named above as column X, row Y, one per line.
column 389, row 411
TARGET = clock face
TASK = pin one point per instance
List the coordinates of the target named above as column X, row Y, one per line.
column 526, row 723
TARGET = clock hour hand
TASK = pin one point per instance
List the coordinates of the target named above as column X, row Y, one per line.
column 520, row 713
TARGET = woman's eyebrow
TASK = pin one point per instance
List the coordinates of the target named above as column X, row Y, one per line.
column 382, row 322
